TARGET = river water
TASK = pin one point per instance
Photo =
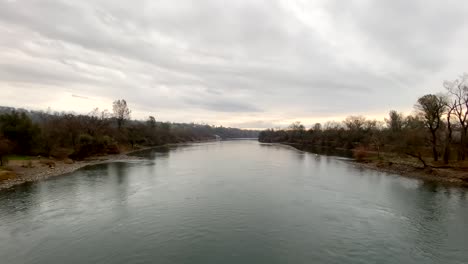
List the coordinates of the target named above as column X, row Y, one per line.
column 232, row 202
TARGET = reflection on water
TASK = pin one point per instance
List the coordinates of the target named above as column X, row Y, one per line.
column 325, row 151
column 152, row 153
column 232, row 202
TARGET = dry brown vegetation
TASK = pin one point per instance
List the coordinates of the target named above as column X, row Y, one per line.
column 6, row 174
column 65, row 136
column 433, row 138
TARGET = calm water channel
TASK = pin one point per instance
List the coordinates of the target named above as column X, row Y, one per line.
column 232, row 202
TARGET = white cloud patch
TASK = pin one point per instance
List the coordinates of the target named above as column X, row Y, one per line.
column 242, row 63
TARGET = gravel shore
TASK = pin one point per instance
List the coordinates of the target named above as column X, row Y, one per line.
column 443, row 176
column 41, row 171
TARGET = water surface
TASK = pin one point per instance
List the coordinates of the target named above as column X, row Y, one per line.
column 232, row 202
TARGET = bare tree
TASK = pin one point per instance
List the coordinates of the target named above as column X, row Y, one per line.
column 121, row 112
column 395, row 121
column 151, row 122
column 297, row 129
column 355, row 122
column 73, row 125
column 317, row 127
column 432, row 108
column 458, row 89
column 376, row 138
column 448, row 137
column 96, row 121
column 296, row 126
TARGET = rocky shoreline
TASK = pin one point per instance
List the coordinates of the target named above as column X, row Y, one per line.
column 443, row 176
column 42, row 172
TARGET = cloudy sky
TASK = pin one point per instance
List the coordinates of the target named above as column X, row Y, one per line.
column 250, row 64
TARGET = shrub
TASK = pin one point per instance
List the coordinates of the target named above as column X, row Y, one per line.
column 360, row 153
column 61, row 153
column 85, row 139
column 113, row 149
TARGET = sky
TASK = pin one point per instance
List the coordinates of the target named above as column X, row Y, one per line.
column 242, row 63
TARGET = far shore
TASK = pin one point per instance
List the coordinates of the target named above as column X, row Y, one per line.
column 41, row 171
column 446, row 176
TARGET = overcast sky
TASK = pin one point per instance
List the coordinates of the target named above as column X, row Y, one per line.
column 250, row 64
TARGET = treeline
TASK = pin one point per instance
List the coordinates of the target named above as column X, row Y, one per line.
column 437, row 130
column 76, row 136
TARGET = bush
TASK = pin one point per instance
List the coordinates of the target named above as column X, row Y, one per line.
column 61, row 153
column 106, row 140
column 360, row 154
column 85, row 139
column 113, row 149
column 85, row 147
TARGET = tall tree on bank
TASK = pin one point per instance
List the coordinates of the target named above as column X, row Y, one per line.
column 448, row 137
column 151, row 122
column 458, row 90
column 297, row 130
column 5, row 149
column 121, row 112
column 20, row 130
column 432, row 108
column 395, row 121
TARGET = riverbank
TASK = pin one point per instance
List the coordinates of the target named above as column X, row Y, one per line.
column 36, row 170
column 446, row 176
column 40, row 169
column 406, row 167
column 33, row 170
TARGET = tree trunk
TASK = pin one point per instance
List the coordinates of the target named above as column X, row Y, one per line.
column 463, row 145
column 448, row 139
column 447, row 153
column 434, row 146
column 434, row 153
column 119, row 123
column 419, row 157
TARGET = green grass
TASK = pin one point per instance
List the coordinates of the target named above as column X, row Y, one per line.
column 18, row 157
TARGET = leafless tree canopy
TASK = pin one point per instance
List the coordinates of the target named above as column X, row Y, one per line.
column 458, row 91
column 432, row 108
column 121, row 112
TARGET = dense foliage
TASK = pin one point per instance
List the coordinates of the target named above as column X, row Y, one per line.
column 63, row 135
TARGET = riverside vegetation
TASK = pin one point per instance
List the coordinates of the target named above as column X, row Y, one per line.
column 32, row 139
column 430, row 143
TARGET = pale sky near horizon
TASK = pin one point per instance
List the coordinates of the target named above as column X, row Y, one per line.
column 243, row 63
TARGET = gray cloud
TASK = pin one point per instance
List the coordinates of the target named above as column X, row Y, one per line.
column 79, row 96
column 222, row 105
column 416, row 32
column 236, row 62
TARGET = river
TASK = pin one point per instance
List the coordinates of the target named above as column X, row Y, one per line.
column 232, row 202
